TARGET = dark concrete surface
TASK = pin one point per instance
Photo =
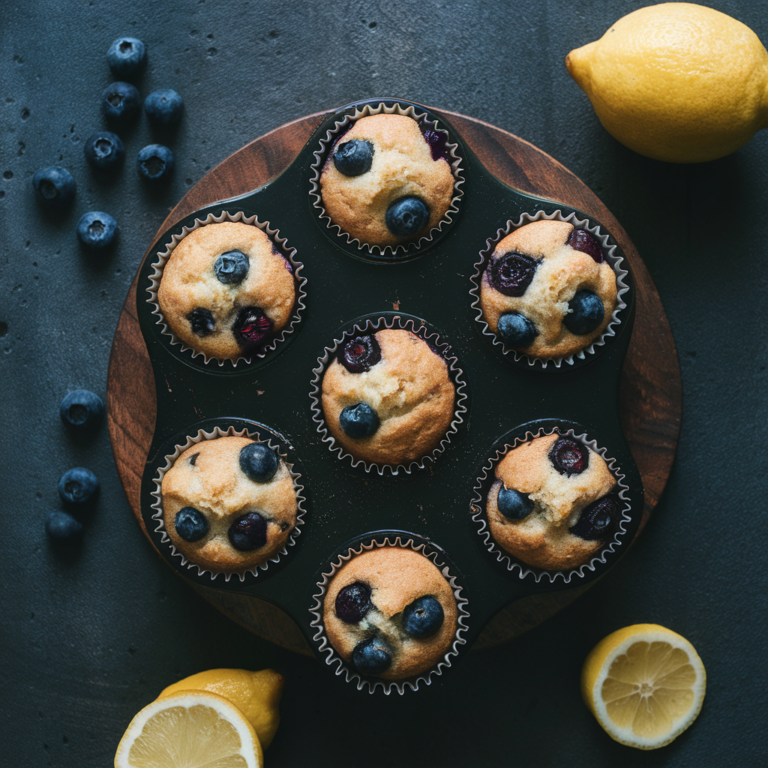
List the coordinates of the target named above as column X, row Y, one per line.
column 90, row 637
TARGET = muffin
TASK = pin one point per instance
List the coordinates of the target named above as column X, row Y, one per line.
column 226, row 290
column 547, row 290
column 384, row 183
column 553, row 504
column 390, row 613
column 387, row 397
column 229, row 504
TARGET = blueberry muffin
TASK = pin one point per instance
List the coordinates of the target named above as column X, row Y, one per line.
column 553, row 504
column 387, row 397
column 386, row 181
column 547, row 290
column 226, row 290
column 390, row 613
column 229, row 504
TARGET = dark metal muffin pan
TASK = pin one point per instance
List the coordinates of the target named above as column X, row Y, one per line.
column 346, row 503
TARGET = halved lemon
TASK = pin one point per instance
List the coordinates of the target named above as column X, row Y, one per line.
column 190, row 729
column 645, row 685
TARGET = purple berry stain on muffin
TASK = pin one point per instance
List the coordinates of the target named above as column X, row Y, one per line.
column 569, row 457
column 360, row 354
column 512, row 273
column 599, row 519
column 353, row 602
column 581, row 240
column 437, row 140
column 252, row 328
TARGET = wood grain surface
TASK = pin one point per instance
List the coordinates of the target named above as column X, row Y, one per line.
column 650, row 391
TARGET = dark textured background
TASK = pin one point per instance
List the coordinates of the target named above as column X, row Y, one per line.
column 89, row 638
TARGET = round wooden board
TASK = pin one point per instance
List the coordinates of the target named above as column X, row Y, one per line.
column 650, row 390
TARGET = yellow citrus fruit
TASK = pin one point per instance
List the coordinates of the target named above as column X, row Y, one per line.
column 645, row 685
column 676, row 82
column 192, row 729
column 255, row 694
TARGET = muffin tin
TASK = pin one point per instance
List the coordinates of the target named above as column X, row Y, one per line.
column 346, row 504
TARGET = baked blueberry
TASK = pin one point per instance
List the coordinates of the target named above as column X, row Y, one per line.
column 61, row 525
column 360, row 354
column 599, row 519
column 96, row 230
column 516, row 330
column 423, row 617
column 587, row 312
column 438, row 142
column 581, row 240
column 358, row 421
column 81, row 409
column 353, row 602
column 569, row 457
column 248, row 532
column 512, row 273
column 78, row 487
column 155, row 162
column 104, row 150
column 259, row 462
column 120, row 102
column 407, row 216
column 372, row 656
column 163, row 107
column 353, row 158
column 231, row 268
column 55, row 187
column 126, row 56
column 202, row 322
column 252, row 328
column 191, row 524
column 513, row 504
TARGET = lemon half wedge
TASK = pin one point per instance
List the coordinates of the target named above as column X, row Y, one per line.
column 645, row 685
column 190, row 729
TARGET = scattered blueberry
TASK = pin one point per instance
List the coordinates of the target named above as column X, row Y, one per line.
column 423, row 617
column 191, row 524
column 202, row 322
column 587, row 312
column 581, row 240
column 78, row 487
column 353, row 602
column 259, row 462
column 126, row 56
column 163, row 107
column 55, row 186
column 358, row 421
column 81, row 409
column 360, row 354
column 104, row 150
column 61, row 525
column 516, row 330
column 353, row 158
column 513, row 504
column 231, row 268
column 407, row 216
column 252, row 329
column 96, row 229
column 120, row 102
column 599, row 519
column 248, row 532
column 372, row 657
column 512, row 273
column 569, row 457
column 155, row 162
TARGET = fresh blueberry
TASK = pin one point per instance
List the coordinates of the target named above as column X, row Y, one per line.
column 513, row 504
column 353, row 158
column 407, row 216
column 163, row 107
column 120, row 102
column 252, row 329
column 259, row 462
column 512, row 273
column 155, row 162
column 516, row 330
column 423, row 617
column 96, row 230
column 581, row 240
column 569, row 457
column 202, row 322
column 104, row 150
column 126, row 56
column 61, row 525
column 81, row 409
column 55, row 187
column 248, row 532
column 353, row 602
column 360, row 354
column 78, row 487
column 372, row 657
column 599, row 519
column 358, row 421
column 587, row 312
column 191, row 524
column 231, row 268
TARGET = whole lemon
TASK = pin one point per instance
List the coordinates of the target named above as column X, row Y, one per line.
column 676, row 82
